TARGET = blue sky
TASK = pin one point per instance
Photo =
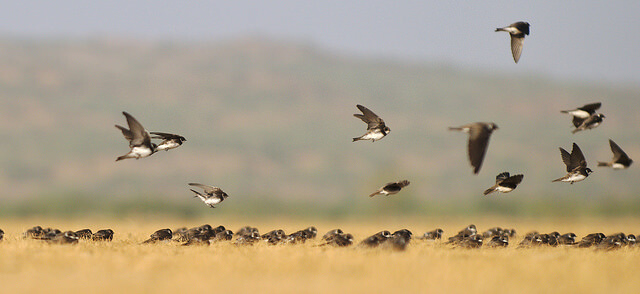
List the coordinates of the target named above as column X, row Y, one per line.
column 570, row 40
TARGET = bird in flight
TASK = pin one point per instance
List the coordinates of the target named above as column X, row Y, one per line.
column 212, row 195
column 576, row 165
column 479, row 134
column 138, row 137
column 517, row 31
column 376, row 128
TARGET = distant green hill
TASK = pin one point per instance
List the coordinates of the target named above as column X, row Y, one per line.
column 273, row 120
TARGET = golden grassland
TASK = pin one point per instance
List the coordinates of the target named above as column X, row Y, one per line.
column 125, row 266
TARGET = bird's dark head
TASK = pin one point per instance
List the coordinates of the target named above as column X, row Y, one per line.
column 588, row 170
column 386, row 130
column 492, row 126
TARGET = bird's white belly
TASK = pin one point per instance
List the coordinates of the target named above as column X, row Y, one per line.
column 504, row 189
column 167, row 146
column 575, row 178
column 618, row 166
column 213, row 201
column 580, row 113
column 141, row 151
column 373, row 136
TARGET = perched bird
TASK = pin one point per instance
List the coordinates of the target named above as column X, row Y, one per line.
column 432, row 235
column 274, row 237
column 341, row 240
column 376, row 239
column 225, row 235
column 397, row 242
column 169, row 141
column 473, row 241
column 103, row 235
column 301, row 236
column 248, row 239
column 576, row 165
column 591, row 122
column 391, row 188
column 212, row 195
column 84, row 234
column 138, row 137
column 479, row 134
column 495, row 231
column 620, row 159
column 612, row 242
column 1, row 234
column 567, row 239
column 505, row 183
column 591, row 240
column 67, row 237
column 35, row 232
column 332, row 233
column 530, row 240
column 517, row 31
column 498, row 241
column 580, row 114
column 246, row 231
column 159, row 235
column 376, row 128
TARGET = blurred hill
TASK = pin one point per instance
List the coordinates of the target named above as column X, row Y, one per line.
column 271, row 121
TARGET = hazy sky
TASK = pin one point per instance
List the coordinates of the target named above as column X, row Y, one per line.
column 577, row 40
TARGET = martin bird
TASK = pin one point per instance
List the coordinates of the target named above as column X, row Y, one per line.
column 517, row 31
column 620, row 159
column 391, row 188
column 479, row 134
column 576, row 165
column 138, row 137
column 591, row 122
column 581, row 113
column 212, row 195
column 376, row 129
column 505, row 183
column 169, row 141
column 159, row 235
column 103, row 235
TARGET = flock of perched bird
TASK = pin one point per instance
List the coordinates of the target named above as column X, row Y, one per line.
column 469, row 237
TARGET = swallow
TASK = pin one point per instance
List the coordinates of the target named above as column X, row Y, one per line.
column 67, row 237
column 612, row 242
column 620, row 159
column 567, row 239
column 505, row 183
column 84, row 234
column 550, row 239
column 591, row 240
column 432, row 235
column 479, row 134
column 473, row 241
column 376, row 128
column 397, row 242
column 225, row 235
column 632, row 241
column 103, row 235
column 274, row 237
column 1, row 234
column 212, row 195
column 249, row 239
column 169, row 141
column 246, row 231
column 391, row 188
column 582, row 113
column 591, row 122
column 50, row 233
column 470, row 230
column 576, row 165
column 339, row 240
column 498, row 241
column 517, row 31
column 376, row 239
column 301, row 236
column 35, row 232
column 159, row 235
column 530, row 240
column 332, row 233
column 495, row 231
column 138, row 137
column 197, row 234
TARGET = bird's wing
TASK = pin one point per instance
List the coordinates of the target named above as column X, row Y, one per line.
column 501, row 177
column 138, row 133
column 202, row 186
column 125, row 132
column 199, row 195
column 516, row 47
column 591, row 108
column 166, row 136
column 566, row 158
column 617, row 151
column 477, row 147
column 372, row 119
column 512, row 181
column 577, row 158
column 577, row 121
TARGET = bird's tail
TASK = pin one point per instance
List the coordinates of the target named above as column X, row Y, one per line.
column 576, row 130
column 600, row 163
column 489, row 191
column 121, row 158
column 565, row 111
column 500, row 29
column 375, row 193
column 455, row 129
column 356, row 139
column 558, row 180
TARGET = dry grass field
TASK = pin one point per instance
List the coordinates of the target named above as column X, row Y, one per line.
column 125, row 266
